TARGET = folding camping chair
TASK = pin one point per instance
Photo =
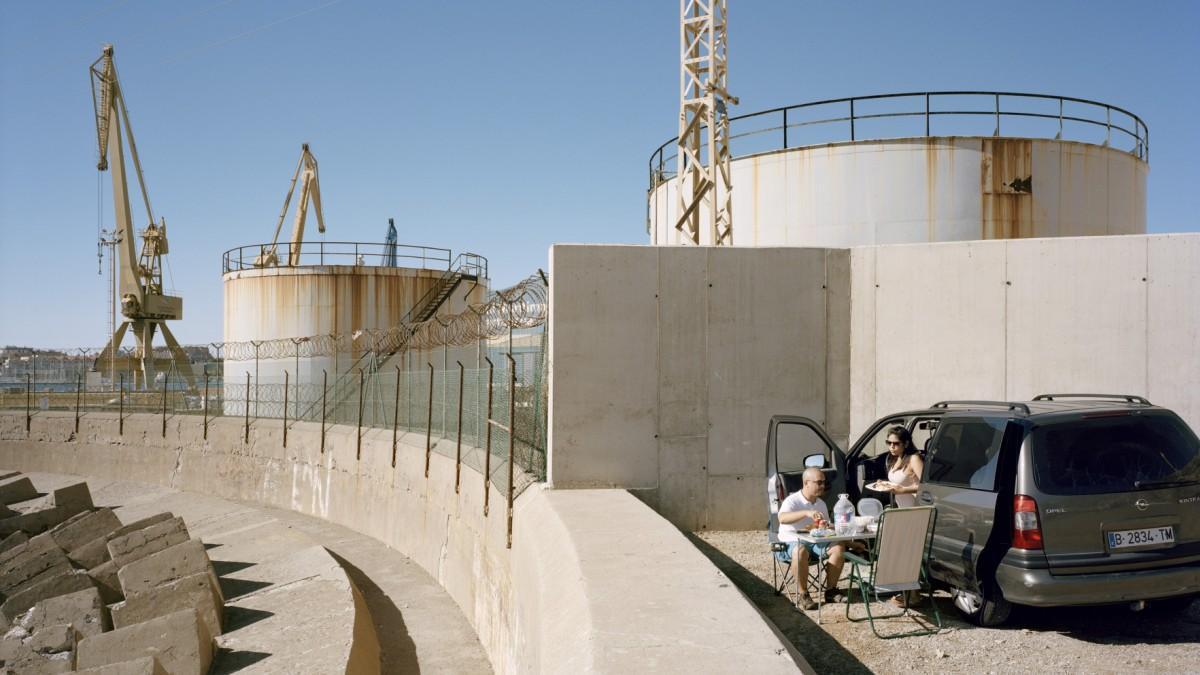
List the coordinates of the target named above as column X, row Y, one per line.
column 898, row 563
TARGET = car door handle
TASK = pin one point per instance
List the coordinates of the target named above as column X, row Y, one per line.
column 925, row 498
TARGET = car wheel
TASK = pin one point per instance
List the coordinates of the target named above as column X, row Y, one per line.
column 1173, row 605
column 990, row 610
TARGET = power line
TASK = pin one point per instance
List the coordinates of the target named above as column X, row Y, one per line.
column 192, row 52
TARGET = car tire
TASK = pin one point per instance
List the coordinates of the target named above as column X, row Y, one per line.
column 986, row 610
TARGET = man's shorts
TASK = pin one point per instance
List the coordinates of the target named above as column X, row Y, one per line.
column 815, row 551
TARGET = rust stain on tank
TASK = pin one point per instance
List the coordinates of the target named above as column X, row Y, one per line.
column 1006, row 188
column 931, row 182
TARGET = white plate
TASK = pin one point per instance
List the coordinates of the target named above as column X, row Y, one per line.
column 877, row 486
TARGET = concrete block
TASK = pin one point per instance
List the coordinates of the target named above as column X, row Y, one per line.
column 5, row 474
column 84, row 610
column 13, row 540
column 141, row 543
column 166, row 566
column 193, row 591
column 59, row 584
column 84, row 527
column 179, row 641
column 36, row 558
column 22, row 549
column 95, row 552
column 59, row 637
column 72, row 499
column 147, row 665
column 107, row 583
column 17, row 490
column 21, row 658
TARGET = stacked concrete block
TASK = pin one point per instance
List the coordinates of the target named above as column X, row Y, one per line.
column 62, row 561
column 180, row 641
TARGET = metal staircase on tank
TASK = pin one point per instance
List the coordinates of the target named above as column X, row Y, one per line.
column 465, row 268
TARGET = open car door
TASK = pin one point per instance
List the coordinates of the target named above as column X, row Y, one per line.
column 793, row 444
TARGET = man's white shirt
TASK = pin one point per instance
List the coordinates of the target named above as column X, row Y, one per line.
column 796, row 502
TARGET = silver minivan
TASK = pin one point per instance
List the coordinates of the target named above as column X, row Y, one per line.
column 1074, row 499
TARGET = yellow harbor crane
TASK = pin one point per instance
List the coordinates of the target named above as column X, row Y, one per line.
column 144, row 304
column 310, row 188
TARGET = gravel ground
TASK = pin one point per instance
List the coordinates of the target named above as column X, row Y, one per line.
column 1089, row 639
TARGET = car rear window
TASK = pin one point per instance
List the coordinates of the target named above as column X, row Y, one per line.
column 1107, row 453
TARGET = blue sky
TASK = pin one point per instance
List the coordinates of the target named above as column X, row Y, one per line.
column 497, row 128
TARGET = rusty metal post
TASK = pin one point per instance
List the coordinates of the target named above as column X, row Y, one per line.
column 206, row 404
column 785, row 128
column 247, row 437
column 487, row 450
column 286, row 383
column 121, row 408
column 358, row 434
column 28, row 403
column 395, row 416
column 1107, row 126
column 78, row 388
column 324, row 388
column 166, row 382
column 458, row 447
column 997, row 132
column 429, row 422
column 512, row 434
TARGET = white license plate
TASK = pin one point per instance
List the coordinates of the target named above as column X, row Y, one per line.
column 1147, row 536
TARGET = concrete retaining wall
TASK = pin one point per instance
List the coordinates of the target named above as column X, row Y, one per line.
column 595, row 580
column 1012, row 319
column 668, row 362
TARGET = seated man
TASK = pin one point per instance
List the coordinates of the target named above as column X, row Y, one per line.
column 802, row 510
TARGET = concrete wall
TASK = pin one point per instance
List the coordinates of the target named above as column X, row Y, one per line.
column 952, row 188
column 1012, row 319
column 594, row 582
column 668, row 362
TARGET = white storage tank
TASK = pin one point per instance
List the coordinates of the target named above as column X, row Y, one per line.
column 851, row 172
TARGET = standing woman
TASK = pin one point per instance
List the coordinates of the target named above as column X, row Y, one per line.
column 904, row 466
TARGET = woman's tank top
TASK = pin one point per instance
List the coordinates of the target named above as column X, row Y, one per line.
column 902, row 478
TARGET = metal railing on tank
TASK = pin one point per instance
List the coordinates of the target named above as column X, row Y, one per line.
column 347, row 253
column 919, row 114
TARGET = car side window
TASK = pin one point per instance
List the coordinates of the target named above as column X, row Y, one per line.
column 965, row 453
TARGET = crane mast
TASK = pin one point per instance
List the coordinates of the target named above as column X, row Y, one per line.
column 143, row 302
column 310, row 189
column 705, row 188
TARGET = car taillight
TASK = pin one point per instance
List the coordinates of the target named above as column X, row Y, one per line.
column 1027, row 529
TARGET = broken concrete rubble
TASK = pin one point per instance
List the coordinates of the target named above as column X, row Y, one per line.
column 194, row 591
column 180, row 641
column 141, row 543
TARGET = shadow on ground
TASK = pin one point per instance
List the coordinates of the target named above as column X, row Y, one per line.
column 821, row 651
column 397, row 653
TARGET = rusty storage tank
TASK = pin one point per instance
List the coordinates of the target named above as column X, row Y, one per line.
column 323, row 313
column 922, row 167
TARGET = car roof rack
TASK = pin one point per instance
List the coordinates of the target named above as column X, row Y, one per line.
column 1128, row 398
column 1010, row 405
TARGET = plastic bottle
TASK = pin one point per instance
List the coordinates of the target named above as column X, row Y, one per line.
column 843, row 515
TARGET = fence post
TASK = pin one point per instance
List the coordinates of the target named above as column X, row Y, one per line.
column 852, row 119
column 395, row 416
column 458, row 447
column 926, row 114
column 785, row 128
column 358, row 434
column 997, row 132
column 324, row 388
column 429, row 422
column 247, row 437
column 166, row 382
column 206, row 404
column 121, row 408
column 28, row 402
column 286, row 384
column 487, row 450
column 512, row 434
column 78, row 387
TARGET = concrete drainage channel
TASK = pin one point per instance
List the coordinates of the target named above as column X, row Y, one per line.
column 151, row 600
